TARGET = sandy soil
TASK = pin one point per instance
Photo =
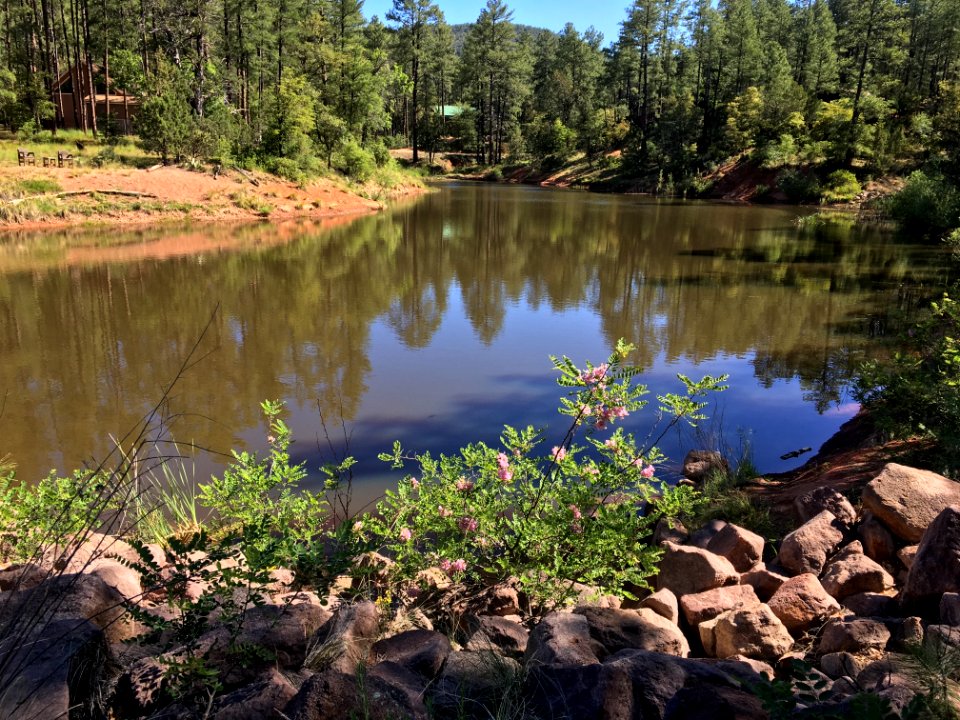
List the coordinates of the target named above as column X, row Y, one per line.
column 197, row 195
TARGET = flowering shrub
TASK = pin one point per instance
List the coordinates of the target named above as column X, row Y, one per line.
column 579, row 513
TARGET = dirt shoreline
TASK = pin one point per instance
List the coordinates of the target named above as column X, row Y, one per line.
column 167, row 194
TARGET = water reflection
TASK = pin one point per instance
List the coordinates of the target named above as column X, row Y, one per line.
column 433, row 322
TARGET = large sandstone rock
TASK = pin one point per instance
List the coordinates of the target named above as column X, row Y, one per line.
column 637, row 684
column 936, row 567
column 707, row 605
column 806, row 549
column 563, row 639
column 472, row 681
column 851, row 572
column 763, row 580
column 907, row 500
column 422, row 651
column 856, row 636
column 55, row 670
column 497, row 634
column 345, row 641
column 387, row 692
column 802, row 601
column 640, row 629
column 743, row 548
column 811, row 504
column 72, row 597
column 871, row 604
column 878, row 542
column 664, row 603
column 265, row 698
column 686, row 570
column 752, row 631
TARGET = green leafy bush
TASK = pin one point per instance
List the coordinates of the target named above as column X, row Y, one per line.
column 353, row 161
column 927, row 202
column 571, row 515
column 841, row 186
column 798, row 186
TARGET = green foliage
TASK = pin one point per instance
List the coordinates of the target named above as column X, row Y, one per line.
column 799, row 186
column 353, row 161
column 53, row 511
column 927, row 202
column 918, row 391
column 259, row 502
column 841, row 186
column 165, row 123
column 550, row 519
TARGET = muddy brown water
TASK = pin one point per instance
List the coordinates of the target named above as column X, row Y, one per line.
column 432, row 323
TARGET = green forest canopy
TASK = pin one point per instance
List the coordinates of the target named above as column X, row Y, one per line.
column 299, row 84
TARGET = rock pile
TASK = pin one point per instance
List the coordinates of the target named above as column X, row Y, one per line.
column 847, row 591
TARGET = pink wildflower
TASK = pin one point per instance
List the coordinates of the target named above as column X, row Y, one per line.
column 648, row 471
column 601, row 424
column 577, row 515
column 458, row 565
column 502, row 460
column 559, row 453
column 444, row 512
column 611, row 443
column 414, row 483
column 619, row 411
column 505, row 474
column 405, row 534
column 595, row 375
column 464, row 485
column 445, row 565
column 586, row 410
column 467, row 524
column 592, row 470
column 357, row 526
column 503, row 464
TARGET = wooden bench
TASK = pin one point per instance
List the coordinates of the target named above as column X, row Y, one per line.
column 49, row 162
column 64, row 158
column 25, row 157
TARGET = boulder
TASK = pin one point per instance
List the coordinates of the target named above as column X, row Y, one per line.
column 55, row 670
column 940, row 637
column 496, row 634
column 384, row 694
column 801, row 602
column 950, row 609
column 870, row 604
column 472, row 680
column 563, row 639
column 763, row 580
column 702, row 537
column 265, row 698
column 345, row 639
column 707, row 630
column 806, row 549
column 888, row 679
column 22, row 577
column 811, row 504
column 710, row 702
column 752, row 631
column 123, row 579
column 664, row 603
column 686, row 570
column 72, row 597
column 421, row 651
column 699, row 607
column 936, row 568
column 631, row 684
column 851, row 572
column 640, row 629
column 840, row 664
column 857, row 636
column 878, row 542
column 698, row 465
column 743, row 548
column 907, row 500
column 907, row 554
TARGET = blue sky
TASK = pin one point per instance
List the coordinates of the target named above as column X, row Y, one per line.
column 604, row 15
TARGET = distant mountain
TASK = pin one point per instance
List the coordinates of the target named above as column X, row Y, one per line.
column 460, row 33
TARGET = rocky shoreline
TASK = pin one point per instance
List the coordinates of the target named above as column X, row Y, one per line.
column 831, row 613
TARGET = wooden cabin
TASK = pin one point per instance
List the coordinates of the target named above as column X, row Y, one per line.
column 71, row 99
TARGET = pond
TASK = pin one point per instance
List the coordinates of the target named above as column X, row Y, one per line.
column 433, row 324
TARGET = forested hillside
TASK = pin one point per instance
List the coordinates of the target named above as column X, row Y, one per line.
column 824, row 91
